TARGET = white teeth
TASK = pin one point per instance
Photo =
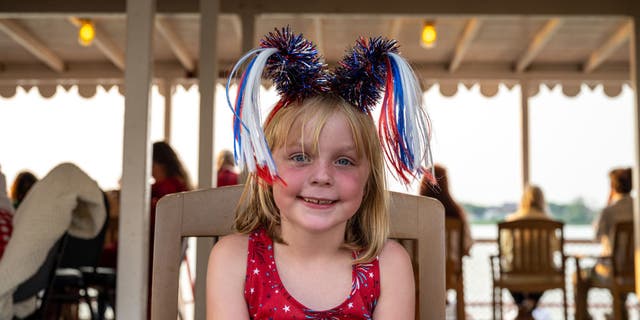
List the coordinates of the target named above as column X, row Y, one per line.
column 317, row 201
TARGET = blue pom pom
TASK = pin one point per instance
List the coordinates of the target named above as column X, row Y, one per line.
column 296, row 68
column 360, row 75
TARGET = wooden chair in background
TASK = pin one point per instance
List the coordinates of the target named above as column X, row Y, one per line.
column 454, row 248
column 530, row 259
column 210, row 213
column 621, row 266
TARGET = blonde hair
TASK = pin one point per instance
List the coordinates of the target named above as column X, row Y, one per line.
column 225, row 157
column 532, row 198
column 368, row 229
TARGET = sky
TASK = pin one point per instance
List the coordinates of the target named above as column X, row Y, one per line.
column 575, row 141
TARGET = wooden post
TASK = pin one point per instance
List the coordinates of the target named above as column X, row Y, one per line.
column 248, row 36
column 634, row 70
column 524, row 121
column 208, row 78
column 133, row 252
column 167, row 90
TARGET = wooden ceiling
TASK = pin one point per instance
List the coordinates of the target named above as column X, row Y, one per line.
column 41, row 46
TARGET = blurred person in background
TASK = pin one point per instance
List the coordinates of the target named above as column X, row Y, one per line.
column 226, row 168
column 6, row 214
column 169, row 177
column 532, row 207
column 451, row 208
column 619, row 209
column 21, row 186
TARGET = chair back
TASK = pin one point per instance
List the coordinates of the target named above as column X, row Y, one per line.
column 80, row 252
column 623, row 254
column 210, row 213
column 454, row 248
column 531, row 247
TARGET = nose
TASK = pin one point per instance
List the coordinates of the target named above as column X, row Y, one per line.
column 322, row 174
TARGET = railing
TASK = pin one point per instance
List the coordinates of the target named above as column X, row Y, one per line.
column 477, row 285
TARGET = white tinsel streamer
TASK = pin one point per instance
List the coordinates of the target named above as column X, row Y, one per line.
column 415, row 118
column 254, row 149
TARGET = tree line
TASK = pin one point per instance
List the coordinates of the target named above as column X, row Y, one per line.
column 575, row 212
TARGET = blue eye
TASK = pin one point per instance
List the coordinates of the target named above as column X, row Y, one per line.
column 299, row 157
column 344, row 162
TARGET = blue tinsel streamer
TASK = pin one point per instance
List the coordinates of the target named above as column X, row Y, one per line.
column 296, row 68
column 360, row 75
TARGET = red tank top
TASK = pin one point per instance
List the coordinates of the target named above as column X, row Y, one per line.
column 267, row 298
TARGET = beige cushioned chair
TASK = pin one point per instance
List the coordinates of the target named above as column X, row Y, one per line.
column 210, row 213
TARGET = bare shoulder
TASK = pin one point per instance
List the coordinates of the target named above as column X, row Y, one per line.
column 393, row 256
column 232, row 241
column 228, row 260
column 230, row 250
column 225, row 278
column 397, row 287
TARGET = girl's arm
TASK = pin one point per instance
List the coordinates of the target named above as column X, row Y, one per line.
column 397, row 287
column 225, row 279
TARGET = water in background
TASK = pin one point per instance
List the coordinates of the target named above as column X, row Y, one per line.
column 477, row 279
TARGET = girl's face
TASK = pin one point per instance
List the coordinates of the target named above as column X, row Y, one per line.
column 324, row 187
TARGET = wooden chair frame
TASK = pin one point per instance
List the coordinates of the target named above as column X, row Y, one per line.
column 622, row 280
column 454, row 247
column 532, row 268
column 210, row 213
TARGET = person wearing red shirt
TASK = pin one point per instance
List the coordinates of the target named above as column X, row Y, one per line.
column 6, row 215
column 227, row 175
column 169, row 177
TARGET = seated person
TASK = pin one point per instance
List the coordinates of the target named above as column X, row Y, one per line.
column 109, row 256
column 21, row 186
column 451, row 208
column 619, row 209
column 532, row 206
column 66, row 200
column 227, row 175
column 6, row 215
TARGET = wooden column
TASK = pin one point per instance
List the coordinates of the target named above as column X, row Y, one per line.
column 248, row 36
column 133, row 252
column 634, row 55
column 248, row 31
column 208, row 77
column 524, row 121
column 167, row 90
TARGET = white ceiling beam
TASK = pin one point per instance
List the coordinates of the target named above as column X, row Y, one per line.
column 82, row 72
column 538, row 42
column 618, row 38
column 90, row 72
column 32, row 44
column 168, row 31
column 317, row 29
column 396, row 27
column 467, row 37
column 105, row 44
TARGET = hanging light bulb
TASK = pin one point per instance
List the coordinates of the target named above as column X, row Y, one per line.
column 86, row 33
column 429, row 34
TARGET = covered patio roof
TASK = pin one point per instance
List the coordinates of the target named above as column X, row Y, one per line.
column 41, row 48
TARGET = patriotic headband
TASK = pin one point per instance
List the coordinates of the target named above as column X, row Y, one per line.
column 371, row 69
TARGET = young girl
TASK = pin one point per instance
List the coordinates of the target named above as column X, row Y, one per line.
column 313, row 224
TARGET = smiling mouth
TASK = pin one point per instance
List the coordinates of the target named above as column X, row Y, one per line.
column 318, row 201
